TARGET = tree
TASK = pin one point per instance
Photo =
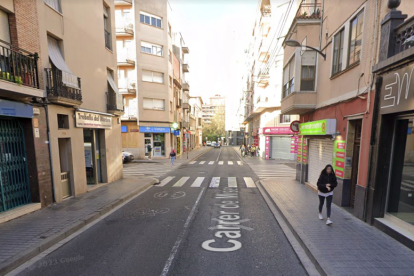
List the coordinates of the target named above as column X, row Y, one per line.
column 216, row 129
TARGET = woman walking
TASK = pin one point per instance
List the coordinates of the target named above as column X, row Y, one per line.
column 172, row 156
column 326, row 184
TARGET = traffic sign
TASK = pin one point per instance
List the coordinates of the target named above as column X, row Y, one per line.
column 294, row 126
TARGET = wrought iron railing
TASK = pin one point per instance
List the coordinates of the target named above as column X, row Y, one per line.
column 63, row 84
column 402, row 33
column 18, row 65
column 115, row 101
column 108, row 40
column 309, row 10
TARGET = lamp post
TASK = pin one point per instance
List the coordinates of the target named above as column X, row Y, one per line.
column 295, row 43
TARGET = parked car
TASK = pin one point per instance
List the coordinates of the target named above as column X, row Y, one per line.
column 208, row 143
column 216, row 145
column 127, row 157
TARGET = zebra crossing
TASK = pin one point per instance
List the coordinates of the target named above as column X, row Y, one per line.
column 215, row 182
column 230, row 163
column 274, row 171
column 151, row 170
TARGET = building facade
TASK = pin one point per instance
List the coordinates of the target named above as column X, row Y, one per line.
column 216, row 104
column 196, row 126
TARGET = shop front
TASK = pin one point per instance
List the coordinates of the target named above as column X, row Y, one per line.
column 277, row 143
column 157, row 138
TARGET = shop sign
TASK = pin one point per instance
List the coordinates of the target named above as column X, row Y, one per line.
column 256, row 141
column 267, row 147
column 176, row 132
column 294, row 144
column 150, row 129
column 339, row 158
column 277, row 131
column 321, row 127
column 397, row 91
column 92, row 120
column 302, row 152
column 15, row 109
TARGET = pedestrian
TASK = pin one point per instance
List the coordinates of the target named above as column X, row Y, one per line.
column 172, row 156
column 252, row 150
column 258, row 152
column 243, row 150
column 149, row 149
column 326, row 184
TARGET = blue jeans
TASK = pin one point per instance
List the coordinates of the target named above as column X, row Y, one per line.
column 172, row 160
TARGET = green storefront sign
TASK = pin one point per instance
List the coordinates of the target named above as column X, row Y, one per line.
column 321, row 127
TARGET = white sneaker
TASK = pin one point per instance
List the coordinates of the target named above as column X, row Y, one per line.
column 329, row 222
column 320, row 216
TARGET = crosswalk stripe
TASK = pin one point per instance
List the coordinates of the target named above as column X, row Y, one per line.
column 192, row 162
column 240, row 163
column 211, row 162
column 202, row 162
column 232, row 182
column 165, row 181
column 249, row 182
column 230, row 162
column 220, row 162
column 181, row 182
column 215, row 181
column 197, row 182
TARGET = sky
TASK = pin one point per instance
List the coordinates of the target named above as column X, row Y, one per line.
column 217, row 32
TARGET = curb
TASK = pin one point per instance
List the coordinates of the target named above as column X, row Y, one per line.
column 19, row 259
column 189, row 160
column 272, row 203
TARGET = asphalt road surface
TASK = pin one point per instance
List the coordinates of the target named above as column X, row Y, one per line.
column 205, row 218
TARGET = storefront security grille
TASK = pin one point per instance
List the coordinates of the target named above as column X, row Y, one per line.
column 14, row 181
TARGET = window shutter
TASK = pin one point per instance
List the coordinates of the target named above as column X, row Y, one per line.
column 158, row 77
column 146, row 75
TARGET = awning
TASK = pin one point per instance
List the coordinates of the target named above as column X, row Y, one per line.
column 112, row 83
column 56, row 56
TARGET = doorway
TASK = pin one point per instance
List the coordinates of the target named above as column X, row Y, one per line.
column 65, row 154
column 147, row 141
column 93, row 162
column 357, row 125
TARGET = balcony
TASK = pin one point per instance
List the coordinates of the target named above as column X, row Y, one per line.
column 127, row 86
column 115, row 103
column 123, row 2
column 63, row 88
column 186, row 67
column 309, row 11
column 186, row 86
column 125, row 57
column 186, row 50
column 179, row 103
column 124, row 27
column 263, row 80
column 299, row 103
column 130, row 114
column 185, row 124
column 18, row 70
column 186, row 106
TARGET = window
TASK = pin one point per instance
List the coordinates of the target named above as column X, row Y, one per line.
column 170, row 81
column 151, row 76
column 156, row 104
column 169, row 29
column 150, row 19
column 338, row 52
column 63, row 121
column 152, row 49
column 284, row 119
column 107, row 27
column 307, row 81
column 4, row 27
column 169, row 56
column 54, row 4
column 171, row 107
column 355, row 38
column 288, row 77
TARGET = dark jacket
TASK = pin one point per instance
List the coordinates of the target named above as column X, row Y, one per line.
column 326, row 179
column 172, row 154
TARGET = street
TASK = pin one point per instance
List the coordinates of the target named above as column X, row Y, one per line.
column 205, row 218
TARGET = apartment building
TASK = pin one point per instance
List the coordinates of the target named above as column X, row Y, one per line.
column 216, row 104
column 196, row 126
column 59, row 100
column 151, row 87
column 264, row 125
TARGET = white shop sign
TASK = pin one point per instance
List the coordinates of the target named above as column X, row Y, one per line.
column 92, row 120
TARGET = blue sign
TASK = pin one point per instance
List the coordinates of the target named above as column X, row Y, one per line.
column 148, row 129
column 15, row 109
column 124, row 129
column 176, row 132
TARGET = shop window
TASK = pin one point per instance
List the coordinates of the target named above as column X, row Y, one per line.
column 63, row 121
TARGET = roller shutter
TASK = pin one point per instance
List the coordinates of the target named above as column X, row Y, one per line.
column 320, row 154
column 281, row 148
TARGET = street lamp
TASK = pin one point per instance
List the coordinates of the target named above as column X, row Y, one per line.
column 295, row 43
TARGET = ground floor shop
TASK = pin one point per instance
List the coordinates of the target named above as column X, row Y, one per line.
column 24, row 156
column 86, row 149
column 276, row 143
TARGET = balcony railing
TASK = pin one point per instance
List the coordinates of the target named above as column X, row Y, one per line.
column 126, row 85
column 62, row 87
column 108, row 40
column 115, row 103
column 126, row 55
column 309, row 10
column 130, row 113
column 186, row 67
column 403, row 32
column 186, row 86
column 18, row 65
column 124, row 27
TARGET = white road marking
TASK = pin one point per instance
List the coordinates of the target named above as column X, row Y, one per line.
column 181, row 182
column 202, row 162
column 192, row 162
column 249, row 182
column 240, row 163
column 230, row 162
column 197, row 182
column 221, row 162
column 232, row 182
column 211, row 162
column 215, row 181
column 165, row 181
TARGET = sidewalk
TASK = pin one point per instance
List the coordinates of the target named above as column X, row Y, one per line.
column 348, row 247
column 23, row 238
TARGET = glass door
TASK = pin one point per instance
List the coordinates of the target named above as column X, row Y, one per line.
column 89, row 162
column 147, row 141
column 401, row 187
